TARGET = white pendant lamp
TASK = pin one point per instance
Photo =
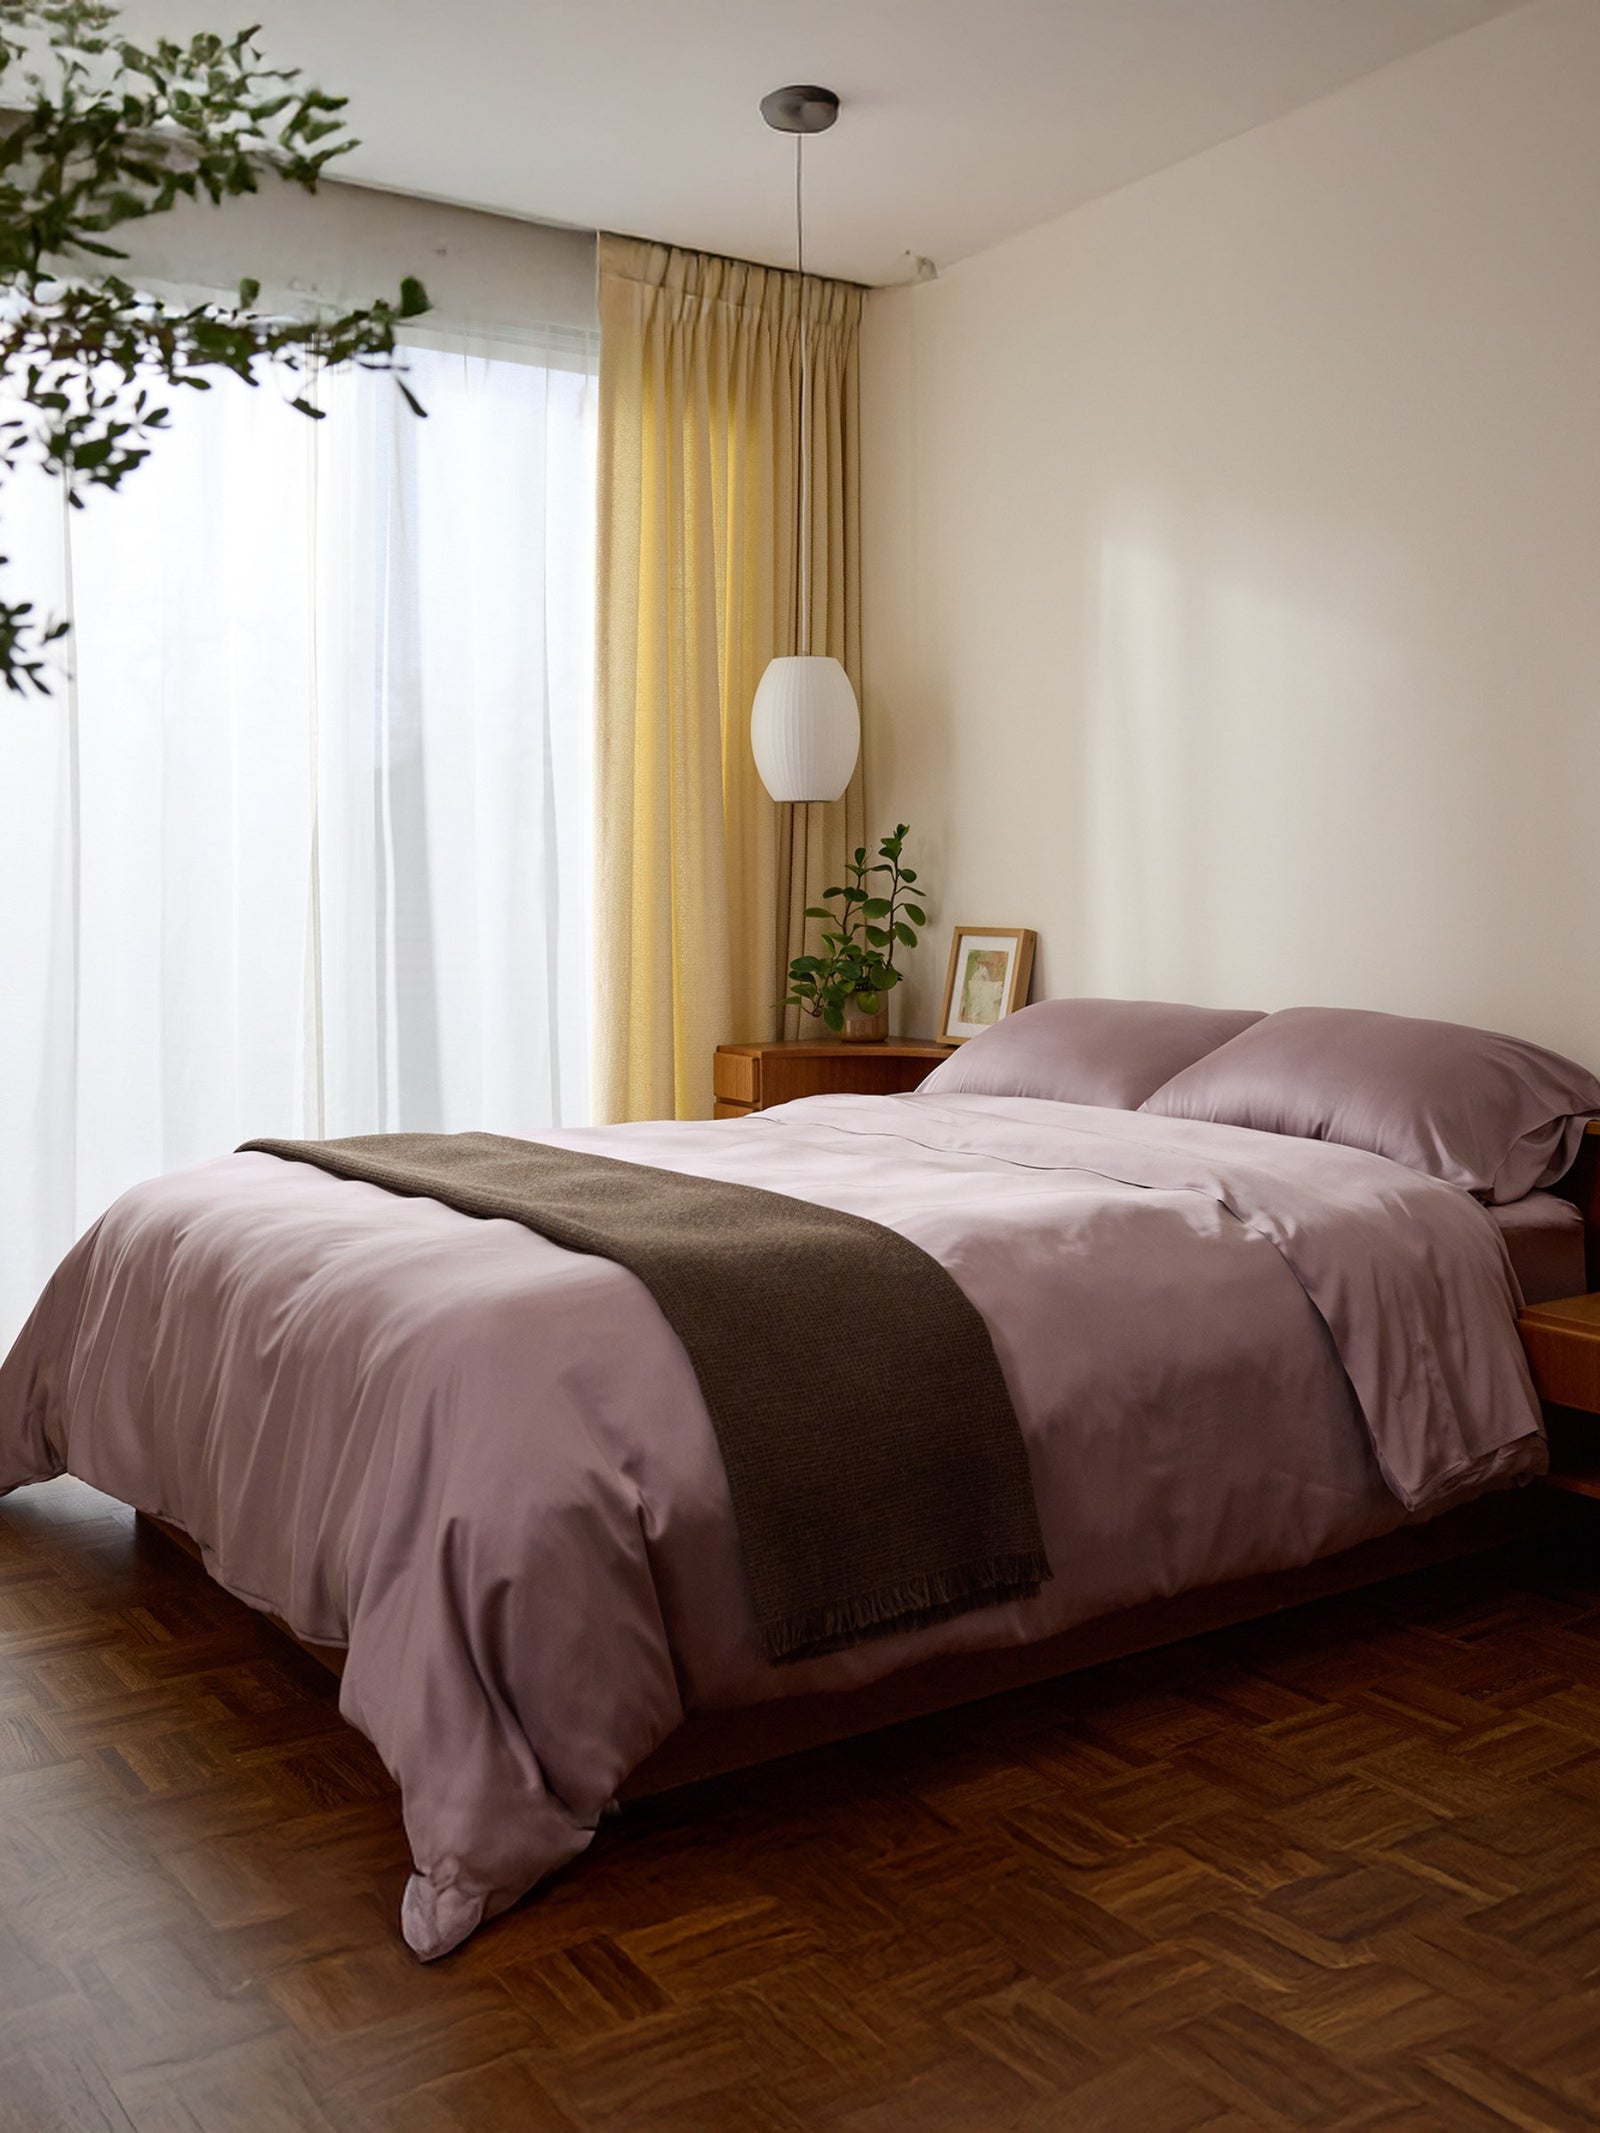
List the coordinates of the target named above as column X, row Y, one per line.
column 805, row 729
column 805, row 726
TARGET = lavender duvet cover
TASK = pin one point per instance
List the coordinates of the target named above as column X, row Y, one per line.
column 482, row 1463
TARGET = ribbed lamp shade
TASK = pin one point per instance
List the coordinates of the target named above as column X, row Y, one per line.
column 805, row 729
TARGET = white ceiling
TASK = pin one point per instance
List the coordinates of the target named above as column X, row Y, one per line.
column 964, row 121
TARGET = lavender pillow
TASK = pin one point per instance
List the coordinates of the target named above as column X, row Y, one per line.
column 1108, row 1052
column 1477, row 1109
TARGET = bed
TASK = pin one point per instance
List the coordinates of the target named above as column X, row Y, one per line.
column 1246, row 1363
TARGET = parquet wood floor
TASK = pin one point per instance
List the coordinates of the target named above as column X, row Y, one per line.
column 1338, row 1870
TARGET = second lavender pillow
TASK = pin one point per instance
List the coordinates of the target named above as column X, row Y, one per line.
column 1477, row 1109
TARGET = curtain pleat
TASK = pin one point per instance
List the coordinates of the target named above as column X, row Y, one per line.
column 702, row 880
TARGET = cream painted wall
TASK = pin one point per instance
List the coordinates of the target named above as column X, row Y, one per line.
column 1232, row 559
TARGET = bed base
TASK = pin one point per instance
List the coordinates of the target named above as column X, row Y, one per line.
column 713, row 1744
column 329, row 1655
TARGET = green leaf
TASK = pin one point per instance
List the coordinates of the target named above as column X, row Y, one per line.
column 96, row 149
column 904, row 934
column 875, row 907
column 916, row 914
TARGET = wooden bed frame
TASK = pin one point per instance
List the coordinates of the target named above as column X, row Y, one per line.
column 712, row 1744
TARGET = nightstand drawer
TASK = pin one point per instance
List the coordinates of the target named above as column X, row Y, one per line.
column 1563, row 1344
column 736, row 1077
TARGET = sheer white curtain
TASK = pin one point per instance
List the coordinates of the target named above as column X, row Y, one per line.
column 305, row 848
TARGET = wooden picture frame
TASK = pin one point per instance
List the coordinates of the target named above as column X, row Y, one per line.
column 989, row 974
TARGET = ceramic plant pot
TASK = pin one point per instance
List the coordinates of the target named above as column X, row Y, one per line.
column 862, row 1028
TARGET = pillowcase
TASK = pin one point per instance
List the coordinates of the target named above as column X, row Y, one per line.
column 1467, row 1105
column 1109, row 1052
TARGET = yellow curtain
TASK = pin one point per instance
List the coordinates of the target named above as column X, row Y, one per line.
column 702, row 879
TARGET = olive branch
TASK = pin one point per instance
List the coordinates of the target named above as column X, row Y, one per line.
column 101, row 134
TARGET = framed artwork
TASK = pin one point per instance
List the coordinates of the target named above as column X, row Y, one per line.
column 989, row 971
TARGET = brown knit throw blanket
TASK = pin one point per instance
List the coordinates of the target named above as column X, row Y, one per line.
column 879, row 1479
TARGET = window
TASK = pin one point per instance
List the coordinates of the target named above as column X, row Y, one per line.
column 306, row 849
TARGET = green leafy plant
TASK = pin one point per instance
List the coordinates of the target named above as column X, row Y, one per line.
column 862, row 937
column 104, row 134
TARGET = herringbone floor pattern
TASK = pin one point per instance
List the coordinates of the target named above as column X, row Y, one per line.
column 1340, row 1870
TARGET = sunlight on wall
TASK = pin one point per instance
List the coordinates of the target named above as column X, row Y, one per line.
column 1230, row 559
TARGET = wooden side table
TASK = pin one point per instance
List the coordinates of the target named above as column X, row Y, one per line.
column 1563, row 1344
column 754, row 1077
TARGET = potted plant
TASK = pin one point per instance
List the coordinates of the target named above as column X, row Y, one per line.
column 846, row 987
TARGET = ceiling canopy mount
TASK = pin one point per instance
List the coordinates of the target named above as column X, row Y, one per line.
column 801, row 108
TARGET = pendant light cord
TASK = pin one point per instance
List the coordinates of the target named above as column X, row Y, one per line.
column 804, row 528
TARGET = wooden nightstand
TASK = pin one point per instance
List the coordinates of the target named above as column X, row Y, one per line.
column 1563, row 1344
column 754, row 1077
